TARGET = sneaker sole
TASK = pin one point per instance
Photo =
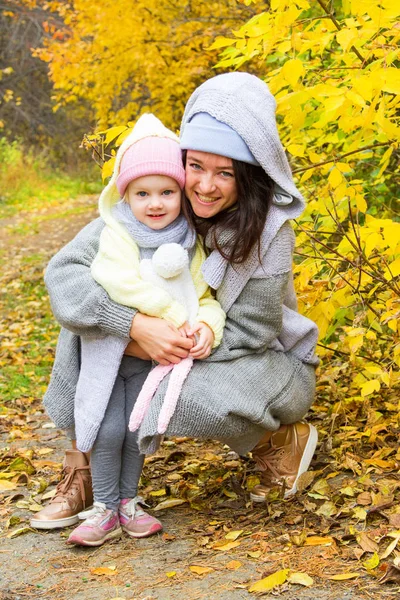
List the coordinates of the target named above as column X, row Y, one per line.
column 109, row 536
column 55, row 524
column 304, row 464
column 152, row 531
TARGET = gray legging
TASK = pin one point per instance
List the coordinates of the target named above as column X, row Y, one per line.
column 115, row 459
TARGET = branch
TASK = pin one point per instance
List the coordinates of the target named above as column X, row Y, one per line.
column 338, row 27
column 326, row 162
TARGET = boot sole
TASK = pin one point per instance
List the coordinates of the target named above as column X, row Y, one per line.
column 109, row 536
column 55, row 524
column 304, row 464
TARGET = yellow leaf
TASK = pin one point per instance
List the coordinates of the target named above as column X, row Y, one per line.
column 345, row 38
column 200, row 570
column 110, row 571
column 335, row 177
column 221, row 42
column 361, row 203
column 170, row 503
column 113, row 133
column 316, row 540
column 301, row 579
column 157, row 493
column 371, row 386
column 233, row 565
column 372, row 562
column 296, row 149
column 170, row 574
column 7, row 485
column 393, row 270
column 292, row 70
column 108, row 168
column 255, row 554
column 391, row 78
column 19, row 531
column 270, row 582
column 344, row 576
column 225, row 547
column 233, row 535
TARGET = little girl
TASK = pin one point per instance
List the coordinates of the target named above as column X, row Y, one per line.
column 149, row 177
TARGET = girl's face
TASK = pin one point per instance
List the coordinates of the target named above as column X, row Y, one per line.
column 155, row 200
column 210, row 183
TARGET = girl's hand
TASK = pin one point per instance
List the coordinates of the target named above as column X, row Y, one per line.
column 184, row 329
column 160, row 339
column 133, row 349
column 205, row 340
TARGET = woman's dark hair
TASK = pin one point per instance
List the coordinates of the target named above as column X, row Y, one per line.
column 247, row 220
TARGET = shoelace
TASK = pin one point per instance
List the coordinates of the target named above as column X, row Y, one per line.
column 131, row 508
column 97, row 509
column 64, row 485
column 270, row 459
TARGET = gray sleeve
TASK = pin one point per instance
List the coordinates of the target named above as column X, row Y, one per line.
column 255, row 319
column 78, row 302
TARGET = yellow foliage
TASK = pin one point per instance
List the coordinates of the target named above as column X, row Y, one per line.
column 338, row 94
column 125, row 58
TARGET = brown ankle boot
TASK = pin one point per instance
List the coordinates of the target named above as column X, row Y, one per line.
column 73, row 494
column 282, row 457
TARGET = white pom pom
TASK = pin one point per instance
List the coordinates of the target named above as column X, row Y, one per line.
column 169, row 260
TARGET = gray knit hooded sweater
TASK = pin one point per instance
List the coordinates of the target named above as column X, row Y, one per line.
column 263, row 373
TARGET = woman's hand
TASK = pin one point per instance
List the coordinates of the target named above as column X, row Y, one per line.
column 133, row 349
column 204, row 340
column 160, row 339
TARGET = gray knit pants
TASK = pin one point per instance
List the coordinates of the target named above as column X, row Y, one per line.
column 115, row 459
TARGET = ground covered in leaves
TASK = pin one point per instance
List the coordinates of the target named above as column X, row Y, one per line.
column 336, row 540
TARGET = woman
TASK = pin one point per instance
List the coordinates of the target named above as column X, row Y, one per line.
column 253, row 391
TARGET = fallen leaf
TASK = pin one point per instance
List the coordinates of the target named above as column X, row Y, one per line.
column 305, row 480
column 233, row 565
column 159, row 493
column 392, row 574
column 169, row 503
column 111, row 571
column 327, row 509
column 233, row 535
column 223, row 547
column 366, row 543
column 372, row 562
column 344, row 576
column 20, row 531
column 390, row 548
column 301, row 579
column 316, row 540
column 364, row 498
column 268, row 583
column 5, row 486
column 255, row 554
column 170, row 574
column 200, row 570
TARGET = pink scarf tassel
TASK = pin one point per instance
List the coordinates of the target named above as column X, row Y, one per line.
column 150, row 386
column 146, row 394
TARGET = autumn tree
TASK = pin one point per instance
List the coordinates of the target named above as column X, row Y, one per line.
column 26, row 105
column 333, row 68
column 127, row 57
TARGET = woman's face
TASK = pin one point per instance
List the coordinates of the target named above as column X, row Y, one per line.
column 210, row 183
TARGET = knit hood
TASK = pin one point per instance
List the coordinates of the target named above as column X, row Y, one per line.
column 147, row 126
column 244, row 102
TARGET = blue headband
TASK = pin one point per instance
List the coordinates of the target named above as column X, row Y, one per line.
column 206, row 134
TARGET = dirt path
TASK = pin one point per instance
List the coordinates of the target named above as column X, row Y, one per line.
column 215, row 527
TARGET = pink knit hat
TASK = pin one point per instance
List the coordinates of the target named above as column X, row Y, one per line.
column 155, row 154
